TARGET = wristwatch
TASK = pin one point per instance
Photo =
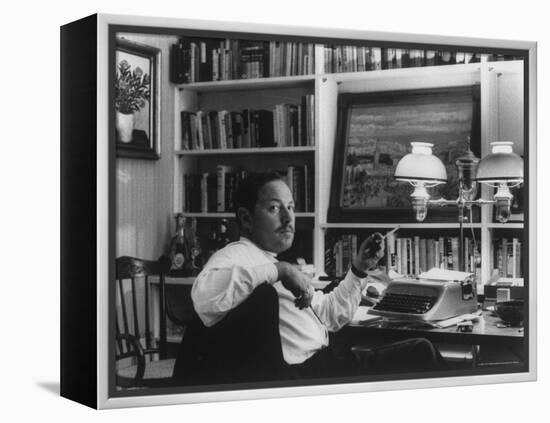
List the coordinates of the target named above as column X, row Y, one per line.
column 359, row 273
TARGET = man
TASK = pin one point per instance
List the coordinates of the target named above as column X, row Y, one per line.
column 265, row 212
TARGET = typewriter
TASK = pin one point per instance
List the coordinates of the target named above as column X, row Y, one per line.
column 435, row 295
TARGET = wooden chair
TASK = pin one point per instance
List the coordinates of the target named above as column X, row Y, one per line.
column 140, row 361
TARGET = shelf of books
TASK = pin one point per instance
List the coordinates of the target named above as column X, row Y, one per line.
column 288, row 124
column 215, row 59
column 248, row 84
column 247, row 151
column 244, row 106
column 343, row 59
column 401, row 225
column 409, row 251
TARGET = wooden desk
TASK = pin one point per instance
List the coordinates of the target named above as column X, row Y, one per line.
column 486, row 337
column 485, row 331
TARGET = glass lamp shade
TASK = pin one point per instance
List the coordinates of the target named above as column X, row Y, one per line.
column 502, row 165
column 421, row 165
column 420, row 198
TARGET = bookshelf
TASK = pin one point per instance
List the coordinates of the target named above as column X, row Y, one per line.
column 499, row 81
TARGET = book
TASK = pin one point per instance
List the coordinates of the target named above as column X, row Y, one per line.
column 213, row 130
column 398, row 253
column 246, row 136
column 467, row 253
column 346, row 253
column 430, row 254
column 416, row 249
column 404, row 257
column 391, row 254
column 442, row 253
column 192, row 193
column 201, row 120
column 410, row 256
column 236, row 129
column 223, row 126
column 423, row 255
column 504, row 255
column 179, row 58
column 254, row 57
column 338, row 254
column 263, row 127
column 455, row 263
column 222, row 172
column 206, row 47
column 187, row 132
column 518, row 273
column 204, row 193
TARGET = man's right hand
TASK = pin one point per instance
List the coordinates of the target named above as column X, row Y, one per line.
column 296, row 282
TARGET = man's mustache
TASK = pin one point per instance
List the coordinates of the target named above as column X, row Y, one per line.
column 286, row 229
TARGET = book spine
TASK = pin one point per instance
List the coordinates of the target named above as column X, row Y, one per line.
column 221, row 171
column 455, row 254
column 430, row 253
column 200, row 130
column 467, row 251
column 338, row 257
column 391, row 254
column 398, row 252
column 246, row 129
column 442, row 255
column 185, row 130
column 204, row 193
column 404, row 256
column 410, row 256
column 345, row 253
column 186, row 194
column 504, row 255
column 290, row 177
column 416, row 246
column 423, row 255
column 517, row 260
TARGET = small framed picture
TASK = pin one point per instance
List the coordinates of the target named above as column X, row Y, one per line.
column 137, row 100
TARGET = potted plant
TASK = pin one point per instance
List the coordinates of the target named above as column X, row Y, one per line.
column 132, row 89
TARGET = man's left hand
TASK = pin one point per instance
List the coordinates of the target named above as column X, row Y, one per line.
column 370, row 252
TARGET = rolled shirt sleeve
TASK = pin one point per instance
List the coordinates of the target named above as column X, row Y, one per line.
column 338, row 307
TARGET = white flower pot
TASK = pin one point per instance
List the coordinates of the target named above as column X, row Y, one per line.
column 124, row 126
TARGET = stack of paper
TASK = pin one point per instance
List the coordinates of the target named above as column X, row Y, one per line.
column 361, row 315
column 456, row 320
column 444, row 275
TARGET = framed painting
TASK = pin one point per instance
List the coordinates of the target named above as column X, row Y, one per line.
column 375, row 131
column 137, row 100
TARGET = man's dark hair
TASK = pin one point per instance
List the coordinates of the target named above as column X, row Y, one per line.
column 246, row 194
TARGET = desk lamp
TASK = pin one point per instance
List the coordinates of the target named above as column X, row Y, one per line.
column 502, row 169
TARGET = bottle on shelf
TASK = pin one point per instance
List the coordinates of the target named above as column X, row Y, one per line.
column 218, row 237
column 178, row 248
column 184, row 248
column 222, row 235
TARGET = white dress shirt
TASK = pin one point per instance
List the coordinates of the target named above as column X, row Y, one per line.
column 233, row 272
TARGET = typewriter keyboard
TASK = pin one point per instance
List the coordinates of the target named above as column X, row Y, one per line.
column 405, row 303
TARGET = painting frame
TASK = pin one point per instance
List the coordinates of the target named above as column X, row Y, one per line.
column 143, row 140
column 386, row 102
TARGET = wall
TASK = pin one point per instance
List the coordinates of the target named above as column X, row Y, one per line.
column 144, row 187
column 510, row 91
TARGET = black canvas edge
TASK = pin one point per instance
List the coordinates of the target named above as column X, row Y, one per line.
column 78, row 173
